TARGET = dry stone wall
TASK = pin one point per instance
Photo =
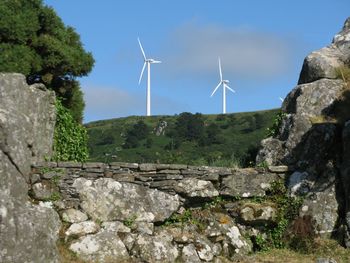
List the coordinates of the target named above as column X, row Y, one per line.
column 154, row 212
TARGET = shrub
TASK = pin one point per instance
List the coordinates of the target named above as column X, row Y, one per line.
column 70, row 137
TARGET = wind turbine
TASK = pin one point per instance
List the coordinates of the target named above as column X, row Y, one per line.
column 224, row 83
column 148, row 62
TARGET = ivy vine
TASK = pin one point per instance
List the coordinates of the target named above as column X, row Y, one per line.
column 70, row 137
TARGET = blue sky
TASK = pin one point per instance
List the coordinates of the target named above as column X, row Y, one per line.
column 262, row 44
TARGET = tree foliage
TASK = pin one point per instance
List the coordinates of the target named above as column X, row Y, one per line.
column 35, row 42
column 190, row 126
column 138, row 132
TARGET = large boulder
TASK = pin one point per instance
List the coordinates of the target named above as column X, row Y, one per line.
column 323, row 63
column 107, row 200
column 27, row 121
column 28, row 232
column 309, row 140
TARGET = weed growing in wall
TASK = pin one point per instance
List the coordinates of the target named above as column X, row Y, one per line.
column 277, row 122
column 70, row 138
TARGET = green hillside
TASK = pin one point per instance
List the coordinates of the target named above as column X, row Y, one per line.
column 221, row 140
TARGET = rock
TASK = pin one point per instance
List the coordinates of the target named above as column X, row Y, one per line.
column 160, row 129
column 82, row 228
column 189, row 254
column 204, row 249
column 158, row 248
column 115, row 165
column 271, row 152
column 72, row 215
column 183, row 235
column 144, row 227
column 34, row 178
column 345, row 177
column 322, row 63
column 146, row 167
column 322, row 206
column 278, row 169
column 108, row 200
column 192, row 187
column 27, row 118
column 258, row 213
column 246, row 183
column 299, row 184
column 43, row 190
column 27, row 231
column 116, row 226
column 105, row 246
column 27, row 122
column 241, row 246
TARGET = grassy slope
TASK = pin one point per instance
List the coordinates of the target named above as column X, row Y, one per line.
column 238, row 132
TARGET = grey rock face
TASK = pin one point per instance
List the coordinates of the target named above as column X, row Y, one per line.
column 158, row 248
column 247, row 183
column 345, row 176
column 28, row 233
column 189, row 254
column 82, row 228
column 271, row 151
column 108, row 200
column 322, row 63
column 105, row 246
column 27, row 120
column 42, row 191
column 72, row 215
column 192, row 187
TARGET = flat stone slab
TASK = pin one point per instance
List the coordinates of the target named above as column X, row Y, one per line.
column 246, row 183
column 108, row 200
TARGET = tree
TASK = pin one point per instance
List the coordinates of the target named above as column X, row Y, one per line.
column 35, row 42
column 138, row 132
column 189, row 126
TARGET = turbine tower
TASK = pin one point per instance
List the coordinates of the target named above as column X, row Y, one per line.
column 224, row 83
column 148, row 62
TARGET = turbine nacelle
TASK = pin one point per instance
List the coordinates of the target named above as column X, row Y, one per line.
column 152, row 61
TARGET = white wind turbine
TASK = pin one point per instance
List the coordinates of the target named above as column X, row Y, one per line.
column 224, row 83
column 148, row 61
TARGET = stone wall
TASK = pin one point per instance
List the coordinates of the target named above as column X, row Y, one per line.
column 191, row 183
column 129, row 212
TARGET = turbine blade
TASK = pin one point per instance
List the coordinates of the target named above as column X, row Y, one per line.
column 156, row 61
column 216, row 89
column 143, row 69
column 281, row 99
column 220, row 69
column 230, row 89
column 143, row 52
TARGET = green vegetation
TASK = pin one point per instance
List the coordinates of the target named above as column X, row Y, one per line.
column 219, row 140
column 35, row 42
column 129, row 222
column 276, row 125
column 288, row 209
column 70, row 138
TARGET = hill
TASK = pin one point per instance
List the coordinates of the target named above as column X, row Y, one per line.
column 221, row 140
